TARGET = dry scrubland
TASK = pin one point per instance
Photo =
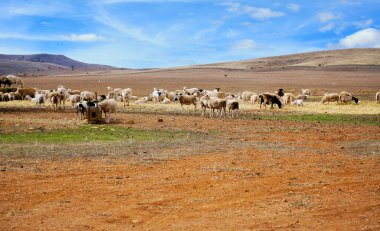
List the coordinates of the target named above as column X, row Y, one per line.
column 314, row 167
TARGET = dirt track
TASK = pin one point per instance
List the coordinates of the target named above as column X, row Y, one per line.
column 272, row 175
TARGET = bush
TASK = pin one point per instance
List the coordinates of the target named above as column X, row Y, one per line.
column 8, row 89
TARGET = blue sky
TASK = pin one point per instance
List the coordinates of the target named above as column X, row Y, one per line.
column 159, row 33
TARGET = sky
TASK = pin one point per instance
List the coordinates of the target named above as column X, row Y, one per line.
column 171, row 33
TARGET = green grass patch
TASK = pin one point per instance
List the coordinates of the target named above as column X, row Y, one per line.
column 90, row 133
column 329, row 118
column 8, row 89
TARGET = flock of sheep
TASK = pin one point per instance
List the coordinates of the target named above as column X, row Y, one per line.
column 215, row 100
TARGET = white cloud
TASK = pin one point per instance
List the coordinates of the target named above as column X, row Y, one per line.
column 364, row 24
column 35, row 8
column 70, row 37
column 293, row 7
column 364, row 38
column 327, row 27
column 253, row 12
column 326, row 16
column 82, row 38
column 246, row 44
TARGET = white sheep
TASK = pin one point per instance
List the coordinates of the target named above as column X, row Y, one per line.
column 254, row 98
column 15, row 80
column 126, row 94
column 109, row 106
column 298, row 102
column 74, row 99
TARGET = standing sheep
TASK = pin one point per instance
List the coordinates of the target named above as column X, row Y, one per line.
column 332, row 97
column 187, row 100
column 233, row 108
column 109, row 106
column 377, row 97
column 15, row 80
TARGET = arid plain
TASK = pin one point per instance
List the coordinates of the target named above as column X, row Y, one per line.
column 307, row 168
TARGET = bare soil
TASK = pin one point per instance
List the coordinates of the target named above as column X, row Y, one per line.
column 250, row 174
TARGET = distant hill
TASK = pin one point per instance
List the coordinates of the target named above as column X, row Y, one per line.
column 40, row 63
column 332, row 59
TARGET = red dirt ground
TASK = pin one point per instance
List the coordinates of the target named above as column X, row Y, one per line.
column 316, row 177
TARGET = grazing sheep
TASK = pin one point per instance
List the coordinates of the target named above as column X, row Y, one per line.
column 5, row 97
column 187, row 100
column 246, row 95
column 233, row 108
column 74, row 99
column 39, row 99
column 288, row 98
column 73, row 92
column 298, row 102
column 126, row 94
column 109, row 106
column 26, row 91
column 213, row 103
column 306, row 92
column 254, row 99
column 15, row 80
column 82, row 108
column 270, row 98
column 332, row 97
column 190, row 91
column 346, row 97
column 87, row 96
column 112, row 95
column 377, row 97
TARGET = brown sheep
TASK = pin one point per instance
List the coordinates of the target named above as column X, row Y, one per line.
column 26, row 91
column 332, row 97
column 270, row 98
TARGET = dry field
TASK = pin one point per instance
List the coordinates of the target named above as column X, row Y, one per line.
column 307, row 168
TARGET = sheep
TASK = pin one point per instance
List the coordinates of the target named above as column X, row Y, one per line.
column 377, row 97
column 187, row 100
column 346, row 97
column 254, row 99
column 5, row 97
column 171, row 96
column 87, row 96
column 306, row 92
column 5, row 82
column 126, row 95
column 63, row 93
column 213, row 103
column 82, row 108
column 158, row 95
column 233, row 108
column 55, row 99
column 26, row 91
column 112, row 95
column 190, row 91
column 288, row 98
column 73, row 92
column 270, row 98
column 332, row 97
column 219, row 104
column 15, row 80
column 109, row 106
column 246, row 95
column 166, row 101
column 39, row 99
column 298, row 102
column 280, row 92
column 74, row 99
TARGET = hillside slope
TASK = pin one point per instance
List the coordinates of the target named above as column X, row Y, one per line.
column 320, row 59
column 40, row 63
